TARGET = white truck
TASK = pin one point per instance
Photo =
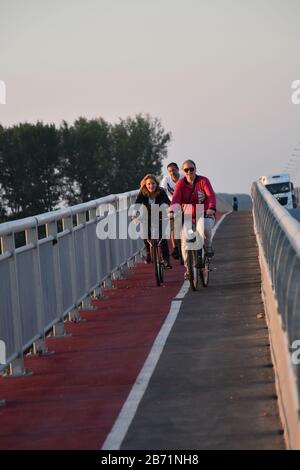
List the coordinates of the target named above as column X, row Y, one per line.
column 281, row 187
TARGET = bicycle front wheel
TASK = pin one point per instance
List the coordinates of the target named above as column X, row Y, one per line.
column 205, row 271
column 193, row 270
column 178, row 244
column 158, row 267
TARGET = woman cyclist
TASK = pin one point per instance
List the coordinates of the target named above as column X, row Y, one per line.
column 191, row 190
column 150, row 193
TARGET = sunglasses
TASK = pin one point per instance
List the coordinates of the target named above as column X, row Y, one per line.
column 186, row 170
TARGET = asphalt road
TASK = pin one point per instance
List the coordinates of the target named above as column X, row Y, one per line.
column 295, row 213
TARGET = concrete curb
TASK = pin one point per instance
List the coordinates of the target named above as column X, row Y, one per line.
column 286, row 385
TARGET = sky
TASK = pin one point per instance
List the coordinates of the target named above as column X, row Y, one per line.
column 218, row 74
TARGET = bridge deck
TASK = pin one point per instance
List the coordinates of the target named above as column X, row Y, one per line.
column 213, row 386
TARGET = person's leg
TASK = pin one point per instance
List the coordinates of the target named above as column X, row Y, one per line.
column 184, row 252
column 172, row 233
column 174, row 242
column 183, row 247
column 209, row 223
column 165, row 252
column 148, row 255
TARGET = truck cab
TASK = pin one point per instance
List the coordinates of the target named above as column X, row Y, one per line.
column 281, row 188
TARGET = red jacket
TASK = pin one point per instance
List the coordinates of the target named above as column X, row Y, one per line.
column 203, row 193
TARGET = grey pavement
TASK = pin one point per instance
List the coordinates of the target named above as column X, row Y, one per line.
column 213, row 387
column 295, row 213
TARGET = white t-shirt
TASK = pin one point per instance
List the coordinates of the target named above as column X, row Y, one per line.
column 168, row 185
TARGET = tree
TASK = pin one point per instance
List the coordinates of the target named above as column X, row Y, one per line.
column 139, row 147
column 29, row 168
column 42, row 167
column 86, row 159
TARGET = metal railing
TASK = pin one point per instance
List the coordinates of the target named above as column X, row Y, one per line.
column 279, row 235
column 297, row 196
column 52, row 276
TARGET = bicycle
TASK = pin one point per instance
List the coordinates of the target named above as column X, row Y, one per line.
column 156, row 251
column 157, row 259
column 198, row 265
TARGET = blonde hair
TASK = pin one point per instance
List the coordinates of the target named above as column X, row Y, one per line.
column 188, row 161
column 143, row 188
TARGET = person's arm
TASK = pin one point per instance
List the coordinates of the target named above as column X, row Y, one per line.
column 177, row 198
column 139, row 198
column 211, row 196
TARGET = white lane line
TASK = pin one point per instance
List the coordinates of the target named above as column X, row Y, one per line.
column 127, row 413
column 218, row 223
column 119, row 430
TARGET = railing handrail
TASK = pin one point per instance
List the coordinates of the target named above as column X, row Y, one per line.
column 20, row 225
column 283, row 217
column 52, row 276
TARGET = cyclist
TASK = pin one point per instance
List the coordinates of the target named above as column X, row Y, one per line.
column 235, row 204
column 150, row 193
column 168, row 184
column 191, row 190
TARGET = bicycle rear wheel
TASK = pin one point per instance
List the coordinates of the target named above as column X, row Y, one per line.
column 161, row 263
column 158, row 266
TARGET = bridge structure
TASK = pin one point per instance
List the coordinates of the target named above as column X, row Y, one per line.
column 93, row 355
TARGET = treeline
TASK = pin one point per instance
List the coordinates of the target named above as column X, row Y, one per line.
column 43, row 167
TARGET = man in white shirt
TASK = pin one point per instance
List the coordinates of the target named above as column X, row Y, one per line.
column 168, row 184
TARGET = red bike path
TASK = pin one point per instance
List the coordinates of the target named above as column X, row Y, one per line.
column 74, row 396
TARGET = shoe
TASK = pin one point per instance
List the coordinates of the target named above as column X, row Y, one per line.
column 148, row 259
column 186, row 275
column 175, row 253
column 209, row 251
column 167, row 264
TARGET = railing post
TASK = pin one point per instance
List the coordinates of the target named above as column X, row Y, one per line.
column 107, row 283
column 97, row 252
column 68, row 225
column 16, row 367
column 86, row 304
column 59, row 327
column 39, row 346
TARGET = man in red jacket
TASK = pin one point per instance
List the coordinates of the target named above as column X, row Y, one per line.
column 189, row 191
